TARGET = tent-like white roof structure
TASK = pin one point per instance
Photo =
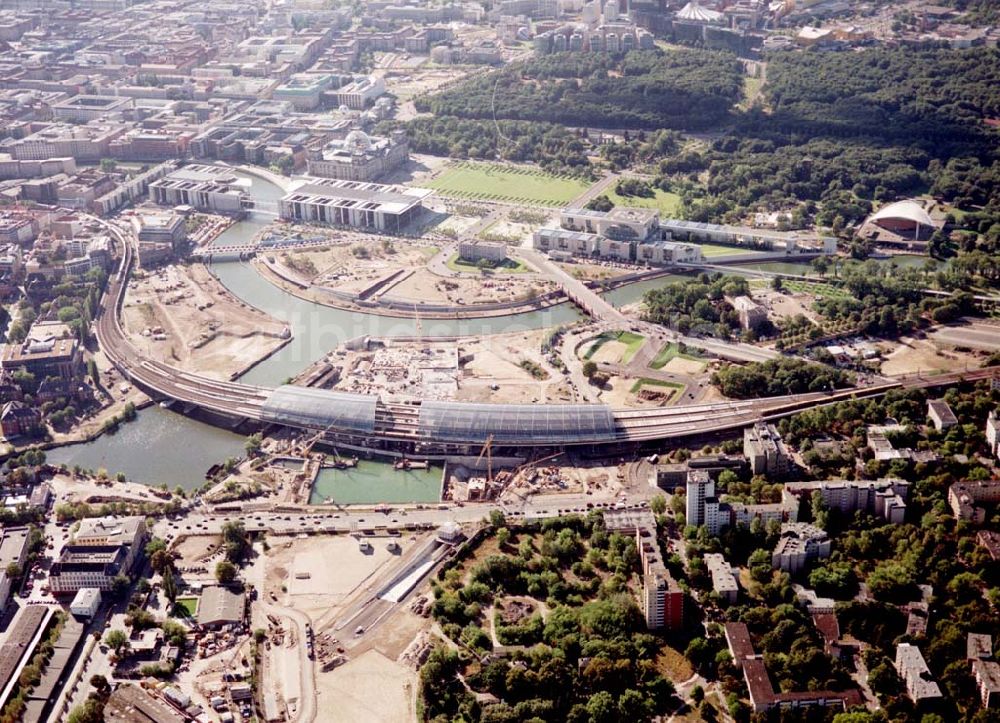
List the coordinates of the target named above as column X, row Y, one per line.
column 908, row 210
column 694, row 11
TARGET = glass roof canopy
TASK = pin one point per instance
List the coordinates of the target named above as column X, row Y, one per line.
column 515, row 423
column 320, row 409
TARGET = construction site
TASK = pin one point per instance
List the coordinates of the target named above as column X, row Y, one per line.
column 183, row 316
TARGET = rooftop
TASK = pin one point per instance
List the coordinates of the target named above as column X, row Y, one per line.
column 220, row 605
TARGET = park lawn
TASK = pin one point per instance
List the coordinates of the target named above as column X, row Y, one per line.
column 816, row 288
column 632, row 342
column 668, row 203
column 670, row 351
column 508, row 266
column 186, row 606
column 507, row 184
column 710, row 250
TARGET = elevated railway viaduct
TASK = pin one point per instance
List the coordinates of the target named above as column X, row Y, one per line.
column 437, row 427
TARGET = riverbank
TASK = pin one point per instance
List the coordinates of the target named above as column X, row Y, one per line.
column 394, row 307
column 269, row 271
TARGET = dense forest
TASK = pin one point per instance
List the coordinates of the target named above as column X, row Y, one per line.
column 553, row 147
column 684, row 89
column 841, row 130
column 833, row 135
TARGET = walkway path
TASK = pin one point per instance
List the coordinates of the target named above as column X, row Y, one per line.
column 306, row 712
column 594, row 191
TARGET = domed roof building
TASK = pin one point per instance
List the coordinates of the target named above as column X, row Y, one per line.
column 908, row 211
column 694, row 12
column 905, row 218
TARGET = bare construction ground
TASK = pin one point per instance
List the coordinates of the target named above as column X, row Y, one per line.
column 320, row 573
column 412, row 271
column 507, row 368
column 352, row 262
column 370, row 688
column 923, row 356
column 183, row 316
column 70, row 488
column 595, row 271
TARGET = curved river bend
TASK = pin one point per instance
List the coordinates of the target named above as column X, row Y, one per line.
column 161, row 447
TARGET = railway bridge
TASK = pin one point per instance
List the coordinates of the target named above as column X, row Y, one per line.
column 433, row 427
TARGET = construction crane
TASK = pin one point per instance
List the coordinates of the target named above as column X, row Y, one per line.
column 488, row 451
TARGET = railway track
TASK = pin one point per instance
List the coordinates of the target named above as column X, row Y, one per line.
column 401, row 422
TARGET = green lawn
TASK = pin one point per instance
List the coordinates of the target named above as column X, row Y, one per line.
column 632, row 342
column 710, row 250
column 186, row 607
column 671, row 351
column 668, row 203
column 816, row 288
column 507, row 183
column 508, row 266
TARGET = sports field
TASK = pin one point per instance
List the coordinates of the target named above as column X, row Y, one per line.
column 506, row 184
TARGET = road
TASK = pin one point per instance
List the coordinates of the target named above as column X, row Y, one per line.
column 590, row 301
column 594, row 191
column 204, row 521
column 306, row 712
column 975, row 335
column 396, row 422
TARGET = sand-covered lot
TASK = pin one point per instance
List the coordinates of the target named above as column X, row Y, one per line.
column 370, row 688
column 183, row 316
column 923, row 356
column 679, row 365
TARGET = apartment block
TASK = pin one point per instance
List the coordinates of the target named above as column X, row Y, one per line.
column 799, row 544
column 916, row 676
column 885, row 498
column 50, row 349
column 763, row 697
column 967, row 499
column 987, row 675
column 702, row 506
column 765, row 450
column 661, row 598
column 993, row 434
column 724, row 581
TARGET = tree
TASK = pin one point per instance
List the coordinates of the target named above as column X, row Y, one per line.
column 160, row 561
column 589, row 368
column 169, row 584
column 252, row 444
column 119, row 586
column 100, row 684
column 91, row 711
column 13, row 570
column 225, row 572
column 117, row 640
column 602, row 708
column 235, row 541
column 658, row 504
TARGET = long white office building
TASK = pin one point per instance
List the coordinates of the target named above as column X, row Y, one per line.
column 352, row 203
column 207, row 188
